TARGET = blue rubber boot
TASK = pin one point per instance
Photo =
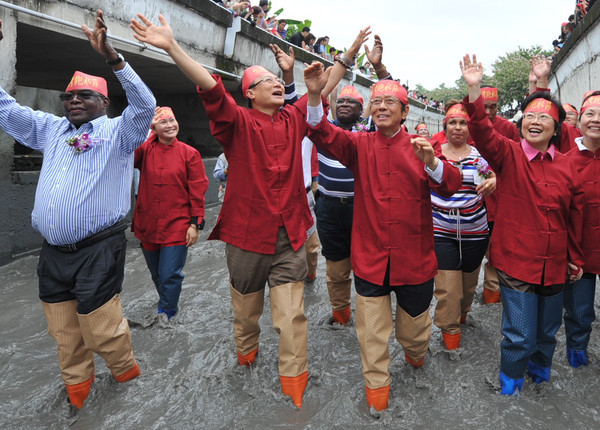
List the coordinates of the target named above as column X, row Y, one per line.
column 578, row 302
column 510, row 386
column 538, row 373
column 577, row 358
column 549, row 321
column 519, row 326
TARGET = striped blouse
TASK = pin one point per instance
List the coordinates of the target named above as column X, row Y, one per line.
column 463, row 215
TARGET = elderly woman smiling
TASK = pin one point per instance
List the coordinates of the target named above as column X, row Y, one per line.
column 539, row 223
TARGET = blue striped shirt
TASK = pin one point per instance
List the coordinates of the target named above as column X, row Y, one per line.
column 79, row 195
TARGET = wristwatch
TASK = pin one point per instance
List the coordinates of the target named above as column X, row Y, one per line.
column 119, row 60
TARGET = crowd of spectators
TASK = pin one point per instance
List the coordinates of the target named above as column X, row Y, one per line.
column 258, row 16
column 567, row 27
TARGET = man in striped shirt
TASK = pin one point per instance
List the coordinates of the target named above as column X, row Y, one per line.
column 82, row 198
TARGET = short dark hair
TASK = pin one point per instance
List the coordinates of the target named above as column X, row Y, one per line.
column 281, row 20
column 263, row 3
column 306, row 29
column 561, row 113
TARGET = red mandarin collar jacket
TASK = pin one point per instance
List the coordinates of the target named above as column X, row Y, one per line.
column 171, row 191
column 588, row 165
column 538, row 218
column 392, row 205
column 265, row 186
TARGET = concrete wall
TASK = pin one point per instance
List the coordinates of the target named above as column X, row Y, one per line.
column 39, row 56
column 576, row 69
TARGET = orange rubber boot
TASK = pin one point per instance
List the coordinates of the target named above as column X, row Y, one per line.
column 294, row 387
column 378, row 397
column 490, row 296
column 132, row 373
column 452, row 341
column 78, row 392
column 413, row 363
column 248, row 359
column 342, row 316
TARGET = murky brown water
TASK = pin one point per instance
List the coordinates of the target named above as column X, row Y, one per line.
column 191, row 380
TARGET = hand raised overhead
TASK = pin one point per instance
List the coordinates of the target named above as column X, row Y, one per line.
column 157, row 36
column 98, row 38
column 472, row 71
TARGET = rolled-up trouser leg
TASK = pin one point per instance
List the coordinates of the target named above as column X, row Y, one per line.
column 519, row 327
column 76, row 360
column 289, row 321
column 339, row 286
column 374, row 325
column 413, row 333
column 107, row 333
column 449, row 294
column 247, row 309
column 579, row 312
column 549, row 321
column 469, row 285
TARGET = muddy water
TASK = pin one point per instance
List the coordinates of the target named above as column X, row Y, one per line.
column 191, row 380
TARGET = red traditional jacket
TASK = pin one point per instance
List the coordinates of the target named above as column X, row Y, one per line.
column 171, row 191
column 508, row 129
column 392, row 204
column 588, row 165
column 265, row 186
column 538, row 219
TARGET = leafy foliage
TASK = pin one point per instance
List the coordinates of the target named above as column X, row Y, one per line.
column 511, row 73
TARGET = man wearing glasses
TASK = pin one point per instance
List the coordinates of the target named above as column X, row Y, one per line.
column 392, row 232
column 82, row 198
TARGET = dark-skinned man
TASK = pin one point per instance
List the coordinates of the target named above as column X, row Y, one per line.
column 82, row 198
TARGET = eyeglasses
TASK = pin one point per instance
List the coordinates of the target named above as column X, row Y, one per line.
column 389, row 101
column 82, row 95
column 542, row 117
column 269, row 80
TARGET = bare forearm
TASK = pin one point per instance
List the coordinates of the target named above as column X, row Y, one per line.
column 192, row 69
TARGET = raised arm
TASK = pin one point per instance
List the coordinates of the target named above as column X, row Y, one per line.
column 162, row 37
column 315, row 80
column 472, row 72
column 285, row 62
column 99, row 41
column 375, row 56
column 540, row 68
column 339, row 69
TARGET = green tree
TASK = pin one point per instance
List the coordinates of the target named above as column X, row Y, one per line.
column 511, row 72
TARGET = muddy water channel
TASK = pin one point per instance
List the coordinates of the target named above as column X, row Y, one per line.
column 191, row 380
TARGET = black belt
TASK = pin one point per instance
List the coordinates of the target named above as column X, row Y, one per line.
column 308, row 189
column 110, row 231
column 345, row 199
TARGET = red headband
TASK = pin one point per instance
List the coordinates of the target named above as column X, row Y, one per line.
column 350, row 91
column 165, row 112
column 388, row 87
column 568, row 108
column 250, row 74
column 420, row 126
column 592, row 101
column 543, row 106
column 489, row 94
column 83, row 81
column 456, row 111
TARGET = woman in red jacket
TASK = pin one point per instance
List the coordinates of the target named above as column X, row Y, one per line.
column 170, row 206
column 579, row 296
column 539, row 223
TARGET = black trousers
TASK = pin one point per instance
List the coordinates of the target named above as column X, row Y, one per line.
column 92, row 275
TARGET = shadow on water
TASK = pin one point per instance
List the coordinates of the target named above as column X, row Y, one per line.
column 191, row 380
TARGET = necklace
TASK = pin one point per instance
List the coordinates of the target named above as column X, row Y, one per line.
column 457, row 154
